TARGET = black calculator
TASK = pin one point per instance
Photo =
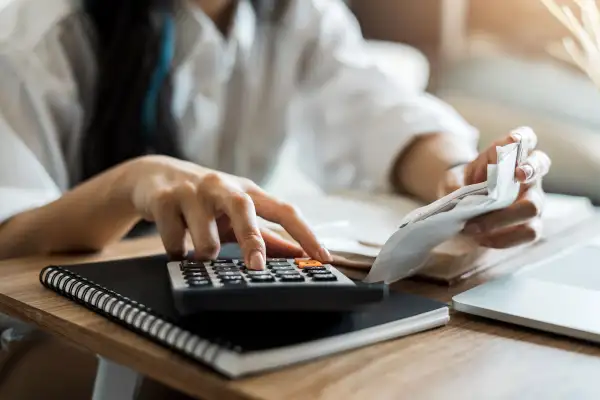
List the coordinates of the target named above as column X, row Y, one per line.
column 285, row 285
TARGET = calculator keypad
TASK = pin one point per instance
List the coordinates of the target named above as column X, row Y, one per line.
column 285, row 285
column 222, row 272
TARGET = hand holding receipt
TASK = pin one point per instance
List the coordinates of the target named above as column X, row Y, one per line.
column 410, row 246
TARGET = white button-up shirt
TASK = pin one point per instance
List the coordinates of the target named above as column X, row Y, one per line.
column 236, row 98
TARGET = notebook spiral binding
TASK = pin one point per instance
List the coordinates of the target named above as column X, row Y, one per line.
column 129, row 313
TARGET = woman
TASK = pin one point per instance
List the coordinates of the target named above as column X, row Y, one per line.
column 174, row 112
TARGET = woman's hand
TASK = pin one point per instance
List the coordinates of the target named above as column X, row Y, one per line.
column 215, row 207
column 519, row 223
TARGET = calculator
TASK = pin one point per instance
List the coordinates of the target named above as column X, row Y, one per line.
column 284, row 285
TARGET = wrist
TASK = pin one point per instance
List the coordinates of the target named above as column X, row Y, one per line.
column 142, row 177
column 131, row 178
column 427, row 163
column 122, row 181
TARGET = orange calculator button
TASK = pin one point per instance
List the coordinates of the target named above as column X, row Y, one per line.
column 299, row 260
column 309, row 263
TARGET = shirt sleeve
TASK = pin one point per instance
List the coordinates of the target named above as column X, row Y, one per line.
column 42, row 63
column 25, row 182
column 354, row 119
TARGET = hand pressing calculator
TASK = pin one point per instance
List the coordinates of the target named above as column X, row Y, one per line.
column 285, row 285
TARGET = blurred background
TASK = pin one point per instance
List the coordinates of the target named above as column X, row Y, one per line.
column 489, row 59
column 447, row 30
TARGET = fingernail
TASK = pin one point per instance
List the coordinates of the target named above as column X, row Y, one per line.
column 257, row 261
column 528, row 171
column 324, row 255
column 522, row 132
column 472, row 229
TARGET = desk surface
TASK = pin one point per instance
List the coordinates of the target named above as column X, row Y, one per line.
column 471, row 358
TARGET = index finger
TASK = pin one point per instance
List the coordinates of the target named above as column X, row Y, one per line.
column 476, row 171
column 239, row 207
column 526, row 136
column 292, row 221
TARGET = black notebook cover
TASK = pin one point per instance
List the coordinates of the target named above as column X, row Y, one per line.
column 143, row 283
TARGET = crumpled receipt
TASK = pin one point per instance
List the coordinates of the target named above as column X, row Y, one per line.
column 409, row 248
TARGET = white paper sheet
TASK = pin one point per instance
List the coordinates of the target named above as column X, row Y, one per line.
column 352, row 222
column 423, row 229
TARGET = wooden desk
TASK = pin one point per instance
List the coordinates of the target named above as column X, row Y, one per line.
column 469, row 359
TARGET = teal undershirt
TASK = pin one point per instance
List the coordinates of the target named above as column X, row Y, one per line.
column 161, row 71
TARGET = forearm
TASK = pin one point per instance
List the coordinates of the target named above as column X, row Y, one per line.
column 86, row 218
column 423, row 165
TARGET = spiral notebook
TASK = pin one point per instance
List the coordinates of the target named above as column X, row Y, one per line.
column 135, row 294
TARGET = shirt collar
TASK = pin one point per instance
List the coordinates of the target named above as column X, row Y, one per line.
column 197, row 32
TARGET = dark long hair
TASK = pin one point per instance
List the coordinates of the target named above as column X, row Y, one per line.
column 131, row 114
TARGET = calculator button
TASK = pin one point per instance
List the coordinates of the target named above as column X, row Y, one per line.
column 292, row 278
column 196, row 268
column 279, row 268
column 299, row 260
column 195, row 273
column 310, row 263
column 324, row 277
column 257, row 273
column 190, row 278
column 234, row 282
column 226, row 269
column 287, row 272
column 190, row 265
column 317, row 270
column 222, row 264
column 274, row 260
column 197, row 278
column 279, row 264
column 228, row 273
column 199, row 283
column 262, row 278
column 231, row 278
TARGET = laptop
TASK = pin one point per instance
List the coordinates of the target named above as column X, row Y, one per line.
column 560, row 294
